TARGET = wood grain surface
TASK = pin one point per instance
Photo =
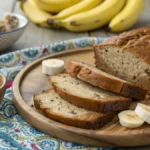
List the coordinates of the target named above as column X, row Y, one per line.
column 31, row 80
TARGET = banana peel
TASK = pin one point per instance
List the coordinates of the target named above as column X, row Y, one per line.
column 91, row 19
column 55, row 6
column 128, row 16
column 77, row 8
column 35, row 14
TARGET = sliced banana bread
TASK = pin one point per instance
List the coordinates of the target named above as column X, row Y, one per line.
column 58, row 109
column 88, row 96
column 127, row 56
column 104, row 80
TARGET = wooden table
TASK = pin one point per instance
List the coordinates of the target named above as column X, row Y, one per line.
column 35, row 35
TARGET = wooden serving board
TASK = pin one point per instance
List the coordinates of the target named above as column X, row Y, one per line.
column 31, row 80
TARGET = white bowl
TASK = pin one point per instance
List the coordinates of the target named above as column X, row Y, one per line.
column 10, row 37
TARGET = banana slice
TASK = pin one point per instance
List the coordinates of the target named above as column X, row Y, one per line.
column 130, row 119
column 52, row 66
column 143, row 111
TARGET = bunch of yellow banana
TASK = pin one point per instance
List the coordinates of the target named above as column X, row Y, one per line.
column 84, row 15
column 39, row 11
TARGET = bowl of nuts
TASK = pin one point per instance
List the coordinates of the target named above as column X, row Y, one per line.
column 12, row 27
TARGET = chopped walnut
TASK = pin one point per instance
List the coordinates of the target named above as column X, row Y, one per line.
column 2, row 27
column 9, row 23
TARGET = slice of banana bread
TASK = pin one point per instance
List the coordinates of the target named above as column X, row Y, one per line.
column 58, row 109
column 88, row 96
column 127, row 56
column 104, row 80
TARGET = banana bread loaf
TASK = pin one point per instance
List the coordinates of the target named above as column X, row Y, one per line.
column 127, row 56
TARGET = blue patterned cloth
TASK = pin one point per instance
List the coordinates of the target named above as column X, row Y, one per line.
column 15, row 132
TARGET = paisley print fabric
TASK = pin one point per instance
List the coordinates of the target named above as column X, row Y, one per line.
column 15, row 132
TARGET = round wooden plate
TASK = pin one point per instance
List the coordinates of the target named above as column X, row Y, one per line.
column 31, row 80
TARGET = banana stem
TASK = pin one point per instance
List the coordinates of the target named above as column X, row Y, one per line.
column 54, row 22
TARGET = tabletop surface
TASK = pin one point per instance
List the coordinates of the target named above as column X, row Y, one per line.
column 36, row 36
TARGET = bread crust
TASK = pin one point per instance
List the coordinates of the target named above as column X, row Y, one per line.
column 89, row 121
column 105, row 82
column 92, row 120
column 135, row 41
column 109, row 105
column 36, row 103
